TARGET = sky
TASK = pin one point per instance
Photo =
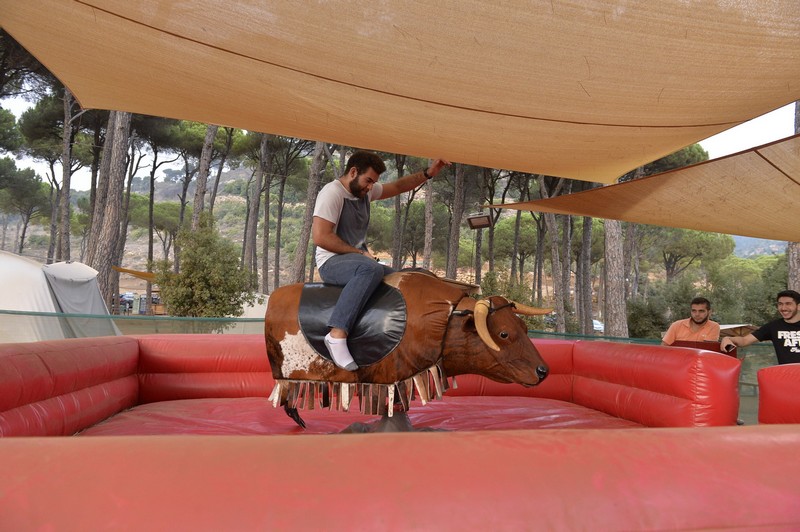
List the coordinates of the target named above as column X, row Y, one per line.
column 772, row 126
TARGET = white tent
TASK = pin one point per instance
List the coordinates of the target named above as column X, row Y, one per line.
column 25, row 290
column 50, row 302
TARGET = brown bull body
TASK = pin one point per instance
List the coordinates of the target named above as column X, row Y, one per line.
column 441, row 338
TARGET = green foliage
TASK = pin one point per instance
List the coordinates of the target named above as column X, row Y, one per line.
column 381, row 229
column 598, row 239
column 43, row 122
column 504, row 242
column 189, row 137
column 237, row 187
column 775, row 277
column 737, row 285
column 23, row 191
column 166, row 214
column 504, row 237
column 381, row 220
column 211, row 282
column 678, row 294
column 22, row 73
column 681, row 248
column 10, row 136
column 744, row 289
column 8, row 171
column 689, row 155
column 498, row 284
column 646, row 319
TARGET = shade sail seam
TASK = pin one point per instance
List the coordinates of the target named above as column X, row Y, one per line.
column 726, row 124
column 776, row 167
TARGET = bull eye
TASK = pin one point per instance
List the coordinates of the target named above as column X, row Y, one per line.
column 503, row 335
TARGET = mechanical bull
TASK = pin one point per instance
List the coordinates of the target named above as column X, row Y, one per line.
column 429, row 330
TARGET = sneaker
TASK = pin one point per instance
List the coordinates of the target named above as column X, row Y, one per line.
column 349, row 366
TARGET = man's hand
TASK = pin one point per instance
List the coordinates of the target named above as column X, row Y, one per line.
column 726, row 344
column 436, row 167
column 410, row 181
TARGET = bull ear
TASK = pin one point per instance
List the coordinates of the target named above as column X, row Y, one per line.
column 481, row 313
column 525, row 310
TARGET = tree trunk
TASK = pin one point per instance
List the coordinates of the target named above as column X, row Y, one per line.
column 397, row 226
column 55, row 203
column 66, row 168
column 555, row 260
column 427, row 249
column 538, row 280
column 455, row 225
column 478, row 266
column 490, row 240
column 318, row 163
column 266, row 234
column 202, row 175
column 110, row 225
column 515, row 247
column 628, row 252
column 265, row 238
column 151, row 221
column 583, row 285
column 793, row 249
column 254, row 198
column 278, row 231
column 101, row 195
column 616, row 319
column 793, row 257
column 223, row 157
column 132, row 169
column 551, row 225
column 566, row 254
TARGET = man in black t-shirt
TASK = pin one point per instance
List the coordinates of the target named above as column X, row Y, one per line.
column 784, row 332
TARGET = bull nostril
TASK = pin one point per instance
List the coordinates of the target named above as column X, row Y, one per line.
column 542, row 371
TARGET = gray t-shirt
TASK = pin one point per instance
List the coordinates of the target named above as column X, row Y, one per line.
column 349, row 215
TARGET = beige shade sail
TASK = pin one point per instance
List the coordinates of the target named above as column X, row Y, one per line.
column 752, row 193
column 150, row 277
column 581, row 89
column 738, row 329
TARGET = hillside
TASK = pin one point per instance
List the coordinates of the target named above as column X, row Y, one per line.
column 747, row 247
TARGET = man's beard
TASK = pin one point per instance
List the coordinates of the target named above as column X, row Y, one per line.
column 700, row 322
column 356, row 189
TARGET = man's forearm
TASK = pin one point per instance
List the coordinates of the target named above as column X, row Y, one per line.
column 411, row 181
column 333, row 243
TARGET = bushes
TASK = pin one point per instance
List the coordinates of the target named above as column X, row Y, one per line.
column 646, row 319
column 210, row 282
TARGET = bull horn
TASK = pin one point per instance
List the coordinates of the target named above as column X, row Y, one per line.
column 525, row 310
column 481, row 313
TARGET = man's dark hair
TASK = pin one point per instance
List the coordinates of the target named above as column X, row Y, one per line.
column 789, row 293
column 363, row 160
column 701, row 301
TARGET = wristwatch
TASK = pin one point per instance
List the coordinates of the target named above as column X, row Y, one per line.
column 426, row 174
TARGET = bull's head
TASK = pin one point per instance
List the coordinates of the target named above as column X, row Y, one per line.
column 482, row 309
column 498, row 346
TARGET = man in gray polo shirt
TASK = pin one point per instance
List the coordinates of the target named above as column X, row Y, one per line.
column 339, row 230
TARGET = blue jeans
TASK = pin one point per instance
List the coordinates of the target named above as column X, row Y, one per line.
column 360, row 277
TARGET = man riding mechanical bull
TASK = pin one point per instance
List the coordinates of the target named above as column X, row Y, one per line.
column 407, row 333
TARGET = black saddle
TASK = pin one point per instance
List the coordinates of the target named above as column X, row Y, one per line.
column 376, row 333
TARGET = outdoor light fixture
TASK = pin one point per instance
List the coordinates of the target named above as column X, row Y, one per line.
column 479, row 220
